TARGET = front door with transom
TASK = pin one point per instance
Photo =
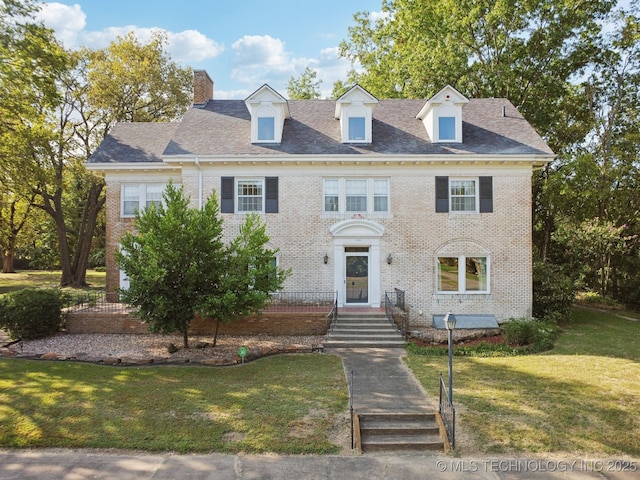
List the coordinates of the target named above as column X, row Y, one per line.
column 356, row 250
column 356, row 275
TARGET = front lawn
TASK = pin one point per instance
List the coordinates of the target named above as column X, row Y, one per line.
column 581, row 398
column 10, row 282
column 283, row 404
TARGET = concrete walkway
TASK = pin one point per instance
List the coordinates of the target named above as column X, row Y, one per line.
column 382, row 382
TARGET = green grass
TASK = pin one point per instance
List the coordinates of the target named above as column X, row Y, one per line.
column 10, row 282
column 581, row 398
column 283, row 404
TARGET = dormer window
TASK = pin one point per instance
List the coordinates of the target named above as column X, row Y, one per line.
column 357, row 129
column 266, row 129
column 268, row 111
column 442, row 116
column 354, row 109
column 447, row 128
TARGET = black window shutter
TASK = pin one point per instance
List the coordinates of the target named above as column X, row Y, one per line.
column 271, row 205
column 226, row 204
column 442, row 194
column 486, row 194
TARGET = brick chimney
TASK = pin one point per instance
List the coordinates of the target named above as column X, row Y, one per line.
column 202, row 87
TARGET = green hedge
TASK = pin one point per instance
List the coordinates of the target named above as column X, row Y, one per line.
column 31, row 313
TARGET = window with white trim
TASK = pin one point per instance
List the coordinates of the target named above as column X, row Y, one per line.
column 463, row 195
column 139, row 196
column 357, row 195
column 463, row 274
column 250, row 194
column 447, row 128
column 357, row 129
column 266, row 129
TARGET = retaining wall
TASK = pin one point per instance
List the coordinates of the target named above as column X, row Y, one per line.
column 276, row 323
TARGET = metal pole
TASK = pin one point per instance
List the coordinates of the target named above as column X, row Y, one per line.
column 450, row 341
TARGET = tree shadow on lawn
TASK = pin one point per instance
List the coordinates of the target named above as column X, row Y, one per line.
column 183, row 409
column 543, row 404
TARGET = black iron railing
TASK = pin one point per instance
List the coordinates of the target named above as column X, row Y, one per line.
column 310, row 302
column 447, row 412
column 332, row 316
column 396, row 310
column 302, row 302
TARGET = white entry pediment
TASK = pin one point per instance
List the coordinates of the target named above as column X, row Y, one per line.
column 354, row 228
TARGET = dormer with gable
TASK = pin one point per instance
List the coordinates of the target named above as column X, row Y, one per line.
column 442, row 116
column 354, row 109
column 268, row 111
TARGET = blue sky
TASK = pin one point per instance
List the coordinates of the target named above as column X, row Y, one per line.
column 241, row 43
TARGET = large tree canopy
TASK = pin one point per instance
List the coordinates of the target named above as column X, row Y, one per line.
column 521, row 50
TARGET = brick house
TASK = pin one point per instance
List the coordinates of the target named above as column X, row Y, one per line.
column 360, row 195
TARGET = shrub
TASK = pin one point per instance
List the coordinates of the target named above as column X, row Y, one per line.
column 553, row 292
column 31, row 313
column 536, row 335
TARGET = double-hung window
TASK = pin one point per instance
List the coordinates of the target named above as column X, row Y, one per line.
column 463, row 274
column 250, row 195
column 463, row 195
column 135, row 197
column 244, row 195
column 356, row 195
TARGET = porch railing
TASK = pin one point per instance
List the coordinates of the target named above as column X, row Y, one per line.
column 321, row 302
column 447, row 412
column 396, row 310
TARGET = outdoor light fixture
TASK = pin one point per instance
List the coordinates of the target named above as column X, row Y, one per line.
column 389, row 259
column 450, row 323
column 326, row 259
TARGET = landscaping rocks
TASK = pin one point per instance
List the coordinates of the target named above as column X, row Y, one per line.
column 152, row 349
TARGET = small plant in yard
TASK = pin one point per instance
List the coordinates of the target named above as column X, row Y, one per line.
column 31, row 313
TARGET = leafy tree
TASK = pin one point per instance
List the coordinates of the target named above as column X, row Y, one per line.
column 523, row 51
column 127, row 81
column 14, row 215
column 178, row 265
column 305, row 87
column 589, row 200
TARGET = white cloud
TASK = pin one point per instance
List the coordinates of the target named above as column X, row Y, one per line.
column 264, row 59
column 68, row 22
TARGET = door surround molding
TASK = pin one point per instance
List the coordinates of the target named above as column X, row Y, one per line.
column 357, row 233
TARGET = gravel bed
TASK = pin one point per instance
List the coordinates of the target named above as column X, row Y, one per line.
column 153, row 346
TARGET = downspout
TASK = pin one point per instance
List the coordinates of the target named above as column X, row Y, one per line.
column 197, row 162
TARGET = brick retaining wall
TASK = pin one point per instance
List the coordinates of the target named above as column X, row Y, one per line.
column 265, row 324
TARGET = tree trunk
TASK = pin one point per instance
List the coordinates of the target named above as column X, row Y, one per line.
column 185, row 338
column 7, row 262
column 87, row 229
column 215, row 335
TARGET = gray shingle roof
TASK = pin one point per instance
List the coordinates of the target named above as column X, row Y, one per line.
column 223, row 128
column 134, row 142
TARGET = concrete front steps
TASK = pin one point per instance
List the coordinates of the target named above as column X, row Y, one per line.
column 364, row 330
column 392, row 432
